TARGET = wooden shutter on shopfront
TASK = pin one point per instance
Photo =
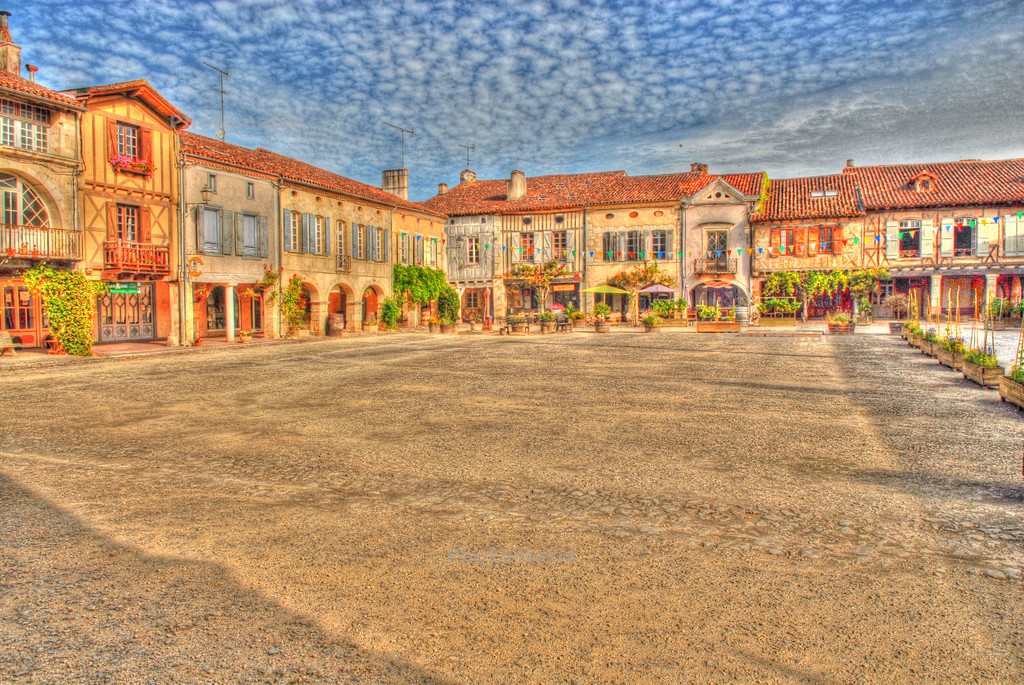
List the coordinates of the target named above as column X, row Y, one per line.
column 813, row 240
column 800, row 240
column 355, row 240
column 263, row 227
column 227, row 231
column 387, row 245
column 515, row 243
column 1013, row 227
column 945, row 239
column 145, row 234
column 775, row 242
column 545, row 246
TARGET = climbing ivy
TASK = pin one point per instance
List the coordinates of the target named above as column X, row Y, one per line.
column 293, row 303
column 423, row 284
column 69, row 299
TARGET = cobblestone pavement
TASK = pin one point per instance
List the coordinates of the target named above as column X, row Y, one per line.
column 693, row 508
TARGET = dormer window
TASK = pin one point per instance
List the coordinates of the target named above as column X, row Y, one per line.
column 824, row 193
column 924, row 182
column 924, row 185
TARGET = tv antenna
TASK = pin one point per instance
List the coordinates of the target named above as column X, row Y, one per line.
column 224, row 73
column 468, row 149
column 412, row 134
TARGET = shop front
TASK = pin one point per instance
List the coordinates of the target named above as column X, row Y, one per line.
column 719, row 294
column 128, row 312
column 566, row 294
column 23, row 315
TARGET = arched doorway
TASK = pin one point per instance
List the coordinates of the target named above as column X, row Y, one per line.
column 371, row 305
column 341, row 302
column 216, row 309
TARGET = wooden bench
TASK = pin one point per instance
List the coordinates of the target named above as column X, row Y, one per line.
column 562, row 324
column 7, row 343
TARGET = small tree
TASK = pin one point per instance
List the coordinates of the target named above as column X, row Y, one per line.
column 639, row 277
column 69, row 299
column 293, row 303
column 448, row 304
column 539, row 277
column 391, row 312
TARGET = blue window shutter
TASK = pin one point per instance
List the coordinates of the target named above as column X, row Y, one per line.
column 355, row 240
column 387, row 245
column 327, row 236
column 288, row 231
column 306, row 232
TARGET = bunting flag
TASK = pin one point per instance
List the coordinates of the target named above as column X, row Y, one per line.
column 591, row 253
column 855, row 240
column 973, row 222
column 504, row 247
column 878, row 238
column 641, row 255
column 948, row 226
column 487, row 246
column 403, row 234
column 995, row 219
column 418, row 237
column 913, row 234
column 661, row 255
column 574, row 253
column 740, row 251
column 620, row 255
column 1020, row 215
column 680, row 254
column 760, row 250
column 631, row 255
column 435, row 240
column 729, row 252
column 901, row 235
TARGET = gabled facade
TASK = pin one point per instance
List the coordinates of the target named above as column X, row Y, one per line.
column 129, row 208
column 39, row 166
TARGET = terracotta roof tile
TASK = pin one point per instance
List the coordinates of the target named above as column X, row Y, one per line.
column 12, row 82
column 565, row 191
column 291, row 169
column 141, row 89
column 972, row 182
column 810, row 198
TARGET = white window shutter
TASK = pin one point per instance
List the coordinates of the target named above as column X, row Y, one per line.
column 927, row 239
column 892, row 240
column 515, row 245
column 946, row 239
column 981, row 237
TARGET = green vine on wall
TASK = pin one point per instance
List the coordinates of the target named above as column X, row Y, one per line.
column 69, row 299
column 421, row 283
column 293, row 303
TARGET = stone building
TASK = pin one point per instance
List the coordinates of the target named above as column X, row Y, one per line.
column 39, row 167
column 231, row 240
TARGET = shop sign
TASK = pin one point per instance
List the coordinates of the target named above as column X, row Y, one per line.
column 124, row 289
column 563, row 288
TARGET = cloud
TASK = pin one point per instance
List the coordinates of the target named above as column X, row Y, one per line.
column 562, row 85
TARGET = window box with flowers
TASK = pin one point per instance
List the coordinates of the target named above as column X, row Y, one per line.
column 130, row 148
column 132, row 165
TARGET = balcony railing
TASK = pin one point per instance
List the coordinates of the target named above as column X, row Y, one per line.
column 344, row 263
column 913, row 253
column 715, row 265
column 963, row 252
column 1014, row 246
column 141, row 257
column 35, row 242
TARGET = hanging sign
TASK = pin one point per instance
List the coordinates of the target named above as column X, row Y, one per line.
column 124, row 289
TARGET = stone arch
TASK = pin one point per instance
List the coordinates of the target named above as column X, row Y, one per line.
column 42, row 191
column 372, row 297
column 341, row 299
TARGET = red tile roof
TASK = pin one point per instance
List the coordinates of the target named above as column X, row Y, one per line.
column 964, row 183
column 566, row 191
column 268, row 162
column 16, row 83
column 792, row 198
column 139, row 88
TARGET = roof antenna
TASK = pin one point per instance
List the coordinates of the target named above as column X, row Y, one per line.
column 468, row 149
column 412, row 134
column 224, row 73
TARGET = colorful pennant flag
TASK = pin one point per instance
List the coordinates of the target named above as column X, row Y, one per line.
column 760, row 250
column 591, row 253
column 504, row 247
column 878, row 238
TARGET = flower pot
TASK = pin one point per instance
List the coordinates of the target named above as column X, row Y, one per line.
column 476, row 326
column 447, row 329
column 198, row 342
column 983, row 376
column 548, row 326
column 579, row 323
column 433, row 327
column 841, row 328
column 602, row 327
column 648, row 328
column 518, row 327
column 718, row 326
column 1011, row 391
column 948, row 357
column 245, row 338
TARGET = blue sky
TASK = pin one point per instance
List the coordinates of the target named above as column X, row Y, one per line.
column 554, row 86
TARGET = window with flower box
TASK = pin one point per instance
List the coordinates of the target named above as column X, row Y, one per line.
column 526, row 242
column 24, row 126
column 130, row 148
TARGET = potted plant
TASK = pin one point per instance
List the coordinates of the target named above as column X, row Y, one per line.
column 601, row 313
column 577, row 318
column 447, row 325
column 711, row 319
column 433, row 324
column 981, row 368
column 839, row 323
column 547, row 322
column 476, row 322
column 777, row 311
column 1011, row 387
column 517, row 322
column 245, row 336
column 930, row 341
column 950, row 352
column 652, row 323
column 899, row 304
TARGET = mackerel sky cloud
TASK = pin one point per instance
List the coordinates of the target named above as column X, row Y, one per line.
column 554, row 86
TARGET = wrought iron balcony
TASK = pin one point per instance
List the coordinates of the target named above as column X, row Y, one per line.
column 36, row 242
column 344, row 263
column 121, row 255
column 715, row 265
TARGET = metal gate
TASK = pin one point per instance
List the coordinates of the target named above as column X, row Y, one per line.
column 127, row 316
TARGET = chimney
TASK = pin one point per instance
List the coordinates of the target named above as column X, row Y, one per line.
column 396, row 182
column 467, row 176
column 10, row 54
column 516, row 186
column 31, row 69
column 698, row 168
column 442, row 188
column 850, row 163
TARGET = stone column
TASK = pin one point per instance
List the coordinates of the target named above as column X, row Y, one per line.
column 229, row 311
column 990, row 287
column 935, row 296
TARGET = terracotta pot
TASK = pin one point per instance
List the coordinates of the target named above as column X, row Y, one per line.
column 518, row 327
column 447, row 328
column 651, row 329
column 602, row 327
column 841, row 328
column 432, row 327
column 245, row 338
column 547, row 326
column 198, row 342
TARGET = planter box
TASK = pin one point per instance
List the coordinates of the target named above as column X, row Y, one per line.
column 519, row 328
column 1011, row 391
column 718, row 326
column 602, row 327
column 896, row 328
column 651, row 329
column 548, row 326
column 948, row 357
column 986, row 378
column 578, row 323
column 447, row 329
column 841, row 328
column 432, row 327
column 777, row 321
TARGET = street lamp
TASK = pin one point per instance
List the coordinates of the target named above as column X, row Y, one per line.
column 205, row 193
